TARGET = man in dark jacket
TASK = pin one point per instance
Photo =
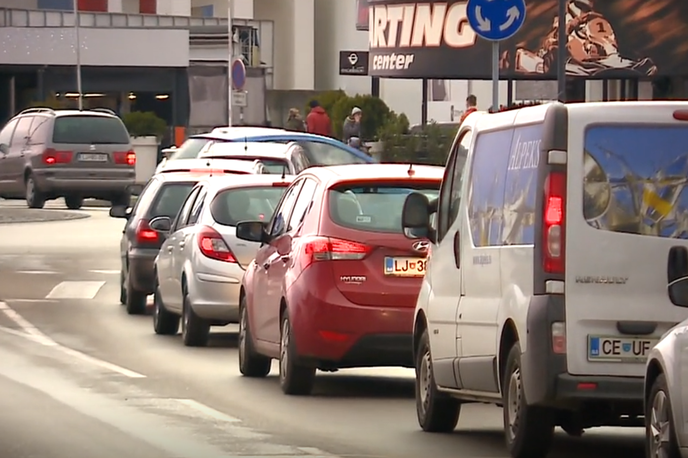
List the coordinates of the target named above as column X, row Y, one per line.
column 352, row 125
column 317, row 121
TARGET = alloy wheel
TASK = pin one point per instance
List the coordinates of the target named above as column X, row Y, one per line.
column 30, row 189
column 660, row 426
column 284, row 352
column 242, row 333
column 513, row 404
column 424, row 381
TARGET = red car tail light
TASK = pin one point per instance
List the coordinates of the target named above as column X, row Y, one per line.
column 554, row 223
column 52, row 156
column 213, row 246
column 146, row 235
column 125, row 158
column 331, row 249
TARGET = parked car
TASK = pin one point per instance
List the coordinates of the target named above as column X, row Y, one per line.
column 163, row 196
column 335, row 281
column 546, row 288
column 317, row 149
column 221, row 166
column 276, row 157
column 201, row 263
column 46, row 154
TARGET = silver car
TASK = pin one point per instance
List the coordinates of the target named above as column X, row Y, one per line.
column 201, row 263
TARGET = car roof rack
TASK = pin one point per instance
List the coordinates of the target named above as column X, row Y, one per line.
column 104, row 110
column 37, row 110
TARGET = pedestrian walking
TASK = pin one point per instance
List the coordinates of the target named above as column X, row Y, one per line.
column 352, row 125
column 294, row 121
column 318, row 122
column 471, row 106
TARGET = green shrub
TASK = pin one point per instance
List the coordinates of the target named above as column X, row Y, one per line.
column 429, row 146
column 376, row 114
column 144, row 124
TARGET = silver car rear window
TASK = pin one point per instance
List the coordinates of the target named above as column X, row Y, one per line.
column 169, row 200
column 232, row 206
column 189, row 149
column 90, row 130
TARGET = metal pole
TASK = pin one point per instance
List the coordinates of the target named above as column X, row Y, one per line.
column 495, row 76
column 78, row 54
column 230, row 36
column 562, row 52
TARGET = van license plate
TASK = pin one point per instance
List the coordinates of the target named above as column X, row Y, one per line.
column 405, row 267
column 92, row 157
column 619, row 349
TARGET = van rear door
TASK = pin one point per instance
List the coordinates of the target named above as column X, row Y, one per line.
column 627, row 205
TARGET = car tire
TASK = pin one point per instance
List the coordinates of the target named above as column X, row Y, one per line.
column 121, row 200
column 122, row 289
column 528, row 429
column 135, row 300
column 295, row 379
column 436, row 411
column 164, row 323
column 660, row 431
column 34, row 197
column 74, row 202
column 251, row 364
column 195, row 330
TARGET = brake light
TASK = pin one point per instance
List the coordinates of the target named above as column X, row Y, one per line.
column 331, row 249
column 125, row 158
column 207, row 171
column 681, row 115
column 144, row 234
column 213, row 246
column 52, row 156
column 554, row 223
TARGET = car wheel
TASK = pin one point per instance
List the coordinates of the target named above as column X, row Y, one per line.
column 122, row 289
column 195, row 330
column 528, row 429
column 121, row 200
column 164, row 322
column 660, row 434
column 34, row 197
column 135, row 300
column 295, row 379
column 436, row 411
column 251, row 364
column 74, row 202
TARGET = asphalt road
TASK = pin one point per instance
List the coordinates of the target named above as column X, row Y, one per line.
column 78, row 374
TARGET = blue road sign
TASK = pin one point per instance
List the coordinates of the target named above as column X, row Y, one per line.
column 496, row 20
column 238, row 75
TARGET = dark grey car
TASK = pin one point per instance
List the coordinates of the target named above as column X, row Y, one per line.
column 47, row 154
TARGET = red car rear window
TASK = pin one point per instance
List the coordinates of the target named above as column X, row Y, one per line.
column 374, row 207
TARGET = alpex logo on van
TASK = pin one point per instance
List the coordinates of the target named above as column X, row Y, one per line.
column 399, row 32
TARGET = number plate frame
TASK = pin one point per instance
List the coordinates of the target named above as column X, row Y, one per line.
column 596, row 342
column 390, row 271
column 93, row 157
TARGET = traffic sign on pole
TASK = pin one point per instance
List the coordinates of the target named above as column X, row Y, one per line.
column 496, row 20
column 238, row 75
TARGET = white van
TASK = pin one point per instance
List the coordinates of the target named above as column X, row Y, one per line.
column 546, row 285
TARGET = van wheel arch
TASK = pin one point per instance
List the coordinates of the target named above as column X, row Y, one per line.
column 419, row 328
column 507, row 340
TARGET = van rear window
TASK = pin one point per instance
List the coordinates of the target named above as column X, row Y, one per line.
column 245, row 204
column 90, row 130
column 374, row 207
column 635, row 179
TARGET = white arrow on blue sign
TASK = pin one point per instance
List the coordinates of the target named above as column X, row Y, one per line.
column 496, row 20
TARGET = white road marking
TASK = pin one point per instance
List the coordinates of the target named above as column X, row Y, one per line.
column 36, row 272
column 105, row 272
column 31, row 301
column 32, row 333
column 75, row 290
column 207, row 411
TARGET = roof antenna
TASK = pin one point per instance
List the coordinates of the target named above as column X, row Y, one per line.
column 246, row 144
column 284, row 172
column 410, row 170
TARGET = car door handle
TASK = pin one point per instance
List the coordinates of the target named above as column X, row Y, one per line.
column 182, row 244
column 285, row 258
column 170, row 248
column 457, row 250
column 266, row 265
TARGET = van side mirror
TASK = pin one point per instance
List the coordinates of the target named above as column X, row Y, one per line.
column 120, row 211
column 161, row 224
column 677, row 276
column 415, row 217
column 252, row 231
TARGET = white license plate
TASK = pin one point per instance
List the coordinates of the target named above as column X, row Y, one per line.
column 619, row 349
column 92, row 157
column 405, row 267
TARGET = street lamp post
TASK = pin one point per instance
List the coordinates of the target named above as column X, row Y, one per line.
column 230, row 37
column 78, row 54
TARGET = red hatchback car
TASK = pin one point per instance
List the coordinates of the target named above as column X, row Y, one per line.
column 335, row 282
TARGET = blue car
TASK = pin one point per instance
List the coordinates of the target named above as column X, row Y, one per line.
column 319, row 150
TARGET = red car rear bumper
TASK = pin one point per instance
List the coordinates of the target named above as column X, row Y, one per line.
column 331, row 332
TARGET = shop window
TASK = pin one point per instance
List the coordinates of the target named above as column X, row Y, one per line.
column 93, row 5
column 61, row 5
column 148, row 6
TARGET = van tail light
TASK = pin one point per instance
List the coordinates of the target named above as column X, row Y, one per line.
column 52, row 156
column 331, row 249
column 125, row 158
column 146, row 235
column 559, row 338
column 213, row 246
column 554, row 223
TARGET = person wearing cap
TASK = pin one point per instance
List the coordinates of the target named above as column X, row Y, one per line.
column 352, row 125
column 317, row 121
